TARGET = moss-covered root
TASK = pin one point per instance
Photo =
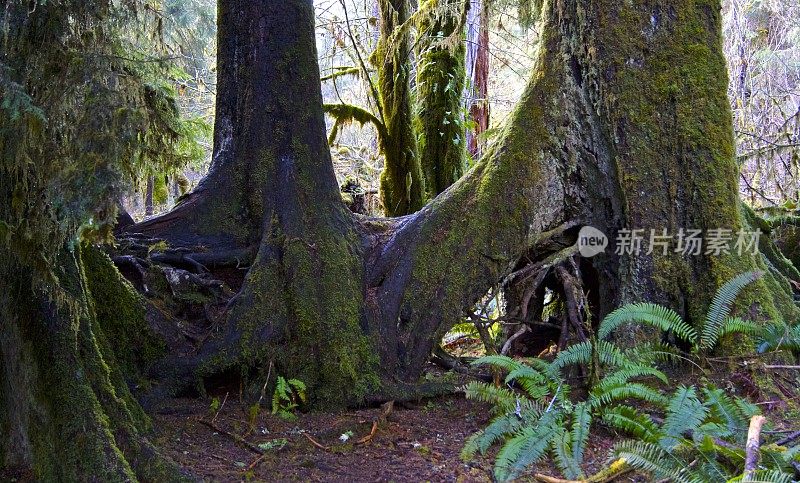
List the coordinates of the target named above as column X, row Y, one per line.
column 440, row 83
column 68, row 415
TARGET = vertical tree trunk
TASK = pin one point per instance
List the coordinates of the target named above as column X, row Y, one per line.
column 477, row 67
column 148, row 196
column 402, row 184
column 440, row 84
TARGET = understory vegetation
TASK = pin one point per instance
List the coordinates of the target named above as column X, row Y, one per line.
column 694, row 433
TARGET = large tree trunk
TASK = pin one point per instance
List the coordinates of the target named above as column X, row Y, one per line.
column 440, row 84
column 66, row 355
column 402, row 184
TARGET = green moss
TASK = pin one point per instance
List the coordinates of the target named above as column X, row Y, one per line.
column 664, row 89
column 120, row 314
column 440, row 84
column 401, row 184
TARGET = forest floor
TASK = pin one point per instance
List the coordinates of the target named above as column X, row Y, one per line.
column 419, row 442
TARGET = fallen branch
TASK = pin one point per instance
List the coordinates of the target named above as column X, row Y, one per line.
column 387, row 409
column 788, row 439
column 315, row 443
column 238, row 439
column 752, row 446
column 614, row 470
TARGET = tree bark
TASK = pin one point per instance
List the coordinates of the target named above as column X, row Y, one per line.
column 402, row 183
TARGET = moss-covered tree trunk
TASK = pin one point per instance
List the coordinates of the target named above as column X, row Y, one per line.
column 65, row 364
column 402, row 185
column 440, row 85
column 611, row 132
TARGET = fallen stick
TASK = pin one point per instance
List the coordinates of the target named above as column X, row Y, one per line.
column 238, row 439
column 315, row 443
column 387, row 409
column 752, row 447
column 614, row 470
column 788, row 439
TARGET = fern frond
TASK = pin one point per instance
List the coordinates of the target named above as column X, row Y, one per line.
column 656, row 315
column 498, row 361
column 533, row 382
column 610, row 355
column 607, row 395
column 735, row 325
column 762, row 476
column 628, row 372
column 723, row 408
column 563, row 455
column 684, row 412
column 581, row 423
column 721, row 305
column 779, row 335
column 576, row 354
column 526, row 447
column 497, row 430
column 651, row 458
column 501, row 398
column 629, row 420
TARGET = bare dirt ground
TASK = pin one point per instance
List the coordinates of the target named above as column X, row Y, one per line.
column 417, row 443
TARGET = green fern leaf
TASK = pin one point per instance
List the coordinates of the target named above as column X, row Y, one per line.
column 581, row 423
column 562, row 454
column 629, row 420
column 661, row 317
column 684, row 412
column 721, row 306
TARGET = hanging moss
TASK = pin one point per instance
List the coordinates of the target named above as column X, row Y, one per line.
column 440, row 84
column 401, row 184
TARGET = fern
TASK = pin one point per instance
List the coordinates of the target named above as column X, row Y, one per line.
column 661, row 317
column 626, row 391
column 780, row 336
column 501, row 398
column 286, row 398
column 653, row 459
column 497, row 430
column 629, row 420
column 526, row 447
column 580, row 354
column 581, row 423
column 561, row 445
column 721, row 306
column 685, row 412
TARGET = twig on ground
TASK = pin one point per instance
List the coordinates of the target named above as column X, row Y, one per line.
column 387, row 409
column 238, row 439
column 214, row 419
column 315, row 443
